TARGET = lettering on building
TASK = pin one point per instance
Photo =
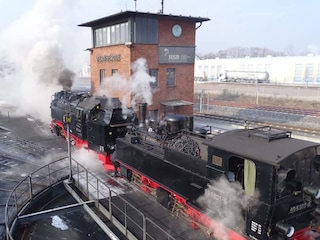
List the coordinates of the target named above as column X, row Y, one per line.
column 109, row 58
column 176, row 54
column 174, row 57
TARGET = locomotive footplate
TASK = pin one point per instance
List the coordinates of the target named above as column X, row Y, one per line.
column 154, row 213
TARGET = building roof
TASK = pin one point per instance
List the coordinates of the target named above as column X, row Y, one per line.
column 260, row 144
column 118, row 17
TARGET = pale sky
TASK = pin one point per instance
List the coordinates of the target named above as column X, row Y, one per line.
column 273, row 24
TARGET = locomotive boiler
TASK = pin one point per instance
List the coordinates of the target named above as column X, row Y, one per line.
column 262, row 180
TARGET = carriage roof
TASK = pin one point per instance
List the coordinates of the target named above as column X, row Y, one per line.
column 263, row 144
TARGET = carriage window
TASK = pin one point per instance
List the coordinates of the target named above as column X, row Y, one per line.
column 249, row 176
column 217, row 160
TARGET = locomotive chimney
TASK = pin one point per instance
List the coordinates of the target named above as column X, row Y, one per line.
column 142, row 114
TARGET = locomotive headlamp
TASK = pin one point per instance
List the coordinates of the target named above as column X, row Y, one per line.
column 285, row 229
column 314, row 192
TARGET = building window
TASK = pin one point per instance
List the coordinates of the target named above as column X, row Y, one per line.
column 171, row 72
column 111, row 35
column 309, row 73
column 318, row 75
column 219, row 71
column 259, row 67
column 153, row 72
column 205, row 73
column 242, row 67
column 298, row 73
column 250, row 67
column 153, row 114
column 102, row 75
column 267, row 67
column 212, row 73
column 146, row 30
column 114, row 71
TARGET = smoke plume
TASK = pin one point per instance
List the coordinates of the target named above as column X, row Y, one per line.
column 34, row 43
column 66, row 79
column 224, row 202
column 137, row 87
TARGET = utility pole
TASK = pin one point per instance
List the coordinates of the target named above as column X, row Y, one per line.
column 67, row 121
column 162, row 3
column 257, row 92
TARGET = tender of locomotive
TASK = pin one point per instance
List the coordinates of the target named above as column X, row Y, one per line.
column 96, row 122
column 275, row 175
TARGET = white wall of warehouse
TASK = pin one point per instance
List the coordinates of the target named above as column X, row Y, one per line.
column 282, row 70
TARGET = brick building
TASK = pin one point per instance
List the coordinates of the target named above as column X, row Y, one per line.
column 166, row 42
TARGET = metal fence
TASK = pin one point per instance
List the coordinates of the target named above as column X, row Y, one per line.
column 24, row 192
column 124, row 215
column 107, row 201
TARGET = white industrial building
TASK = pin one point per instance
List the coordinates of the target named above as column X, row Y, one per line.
column 281, row 70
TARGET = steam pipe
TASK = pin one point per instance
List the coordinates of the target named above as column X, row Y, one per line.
column 142, row 114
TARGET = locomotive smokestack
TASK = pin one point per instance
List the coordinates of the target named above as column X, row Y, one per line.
column 142, row 114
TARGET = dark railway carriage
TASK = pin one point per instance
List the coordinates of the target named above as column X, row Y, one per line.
column 276, row 174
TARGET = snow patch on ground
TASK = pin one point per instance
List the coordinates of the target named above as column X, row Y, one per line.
column 57, row 222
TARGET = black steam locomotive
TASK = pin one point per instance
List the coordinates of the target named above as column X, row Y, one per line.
column 243, row 184
column 95, row 124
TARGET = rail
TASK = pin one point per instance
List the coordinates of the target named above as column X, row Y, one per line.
column 23, row 145
column 106, row 200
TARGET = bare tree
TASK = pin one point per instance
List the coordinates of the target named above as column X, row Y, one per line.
column 290, row 50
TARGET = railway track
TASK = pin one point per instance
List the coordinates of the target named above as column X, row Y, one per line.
column 292, row 110
column 313, row 132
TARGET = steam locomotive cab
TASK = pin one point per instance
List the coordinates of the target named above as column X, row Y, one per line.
column 279, row 178
column 104, row 126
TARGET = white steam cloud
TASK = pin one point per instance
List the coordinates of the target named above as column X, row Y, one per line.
column 87, row 159
column 224, row 202
column 137, row 88
column 34, row 46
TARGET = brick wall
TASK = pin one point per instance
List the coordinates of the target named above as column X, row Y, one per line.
column 184, row 80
